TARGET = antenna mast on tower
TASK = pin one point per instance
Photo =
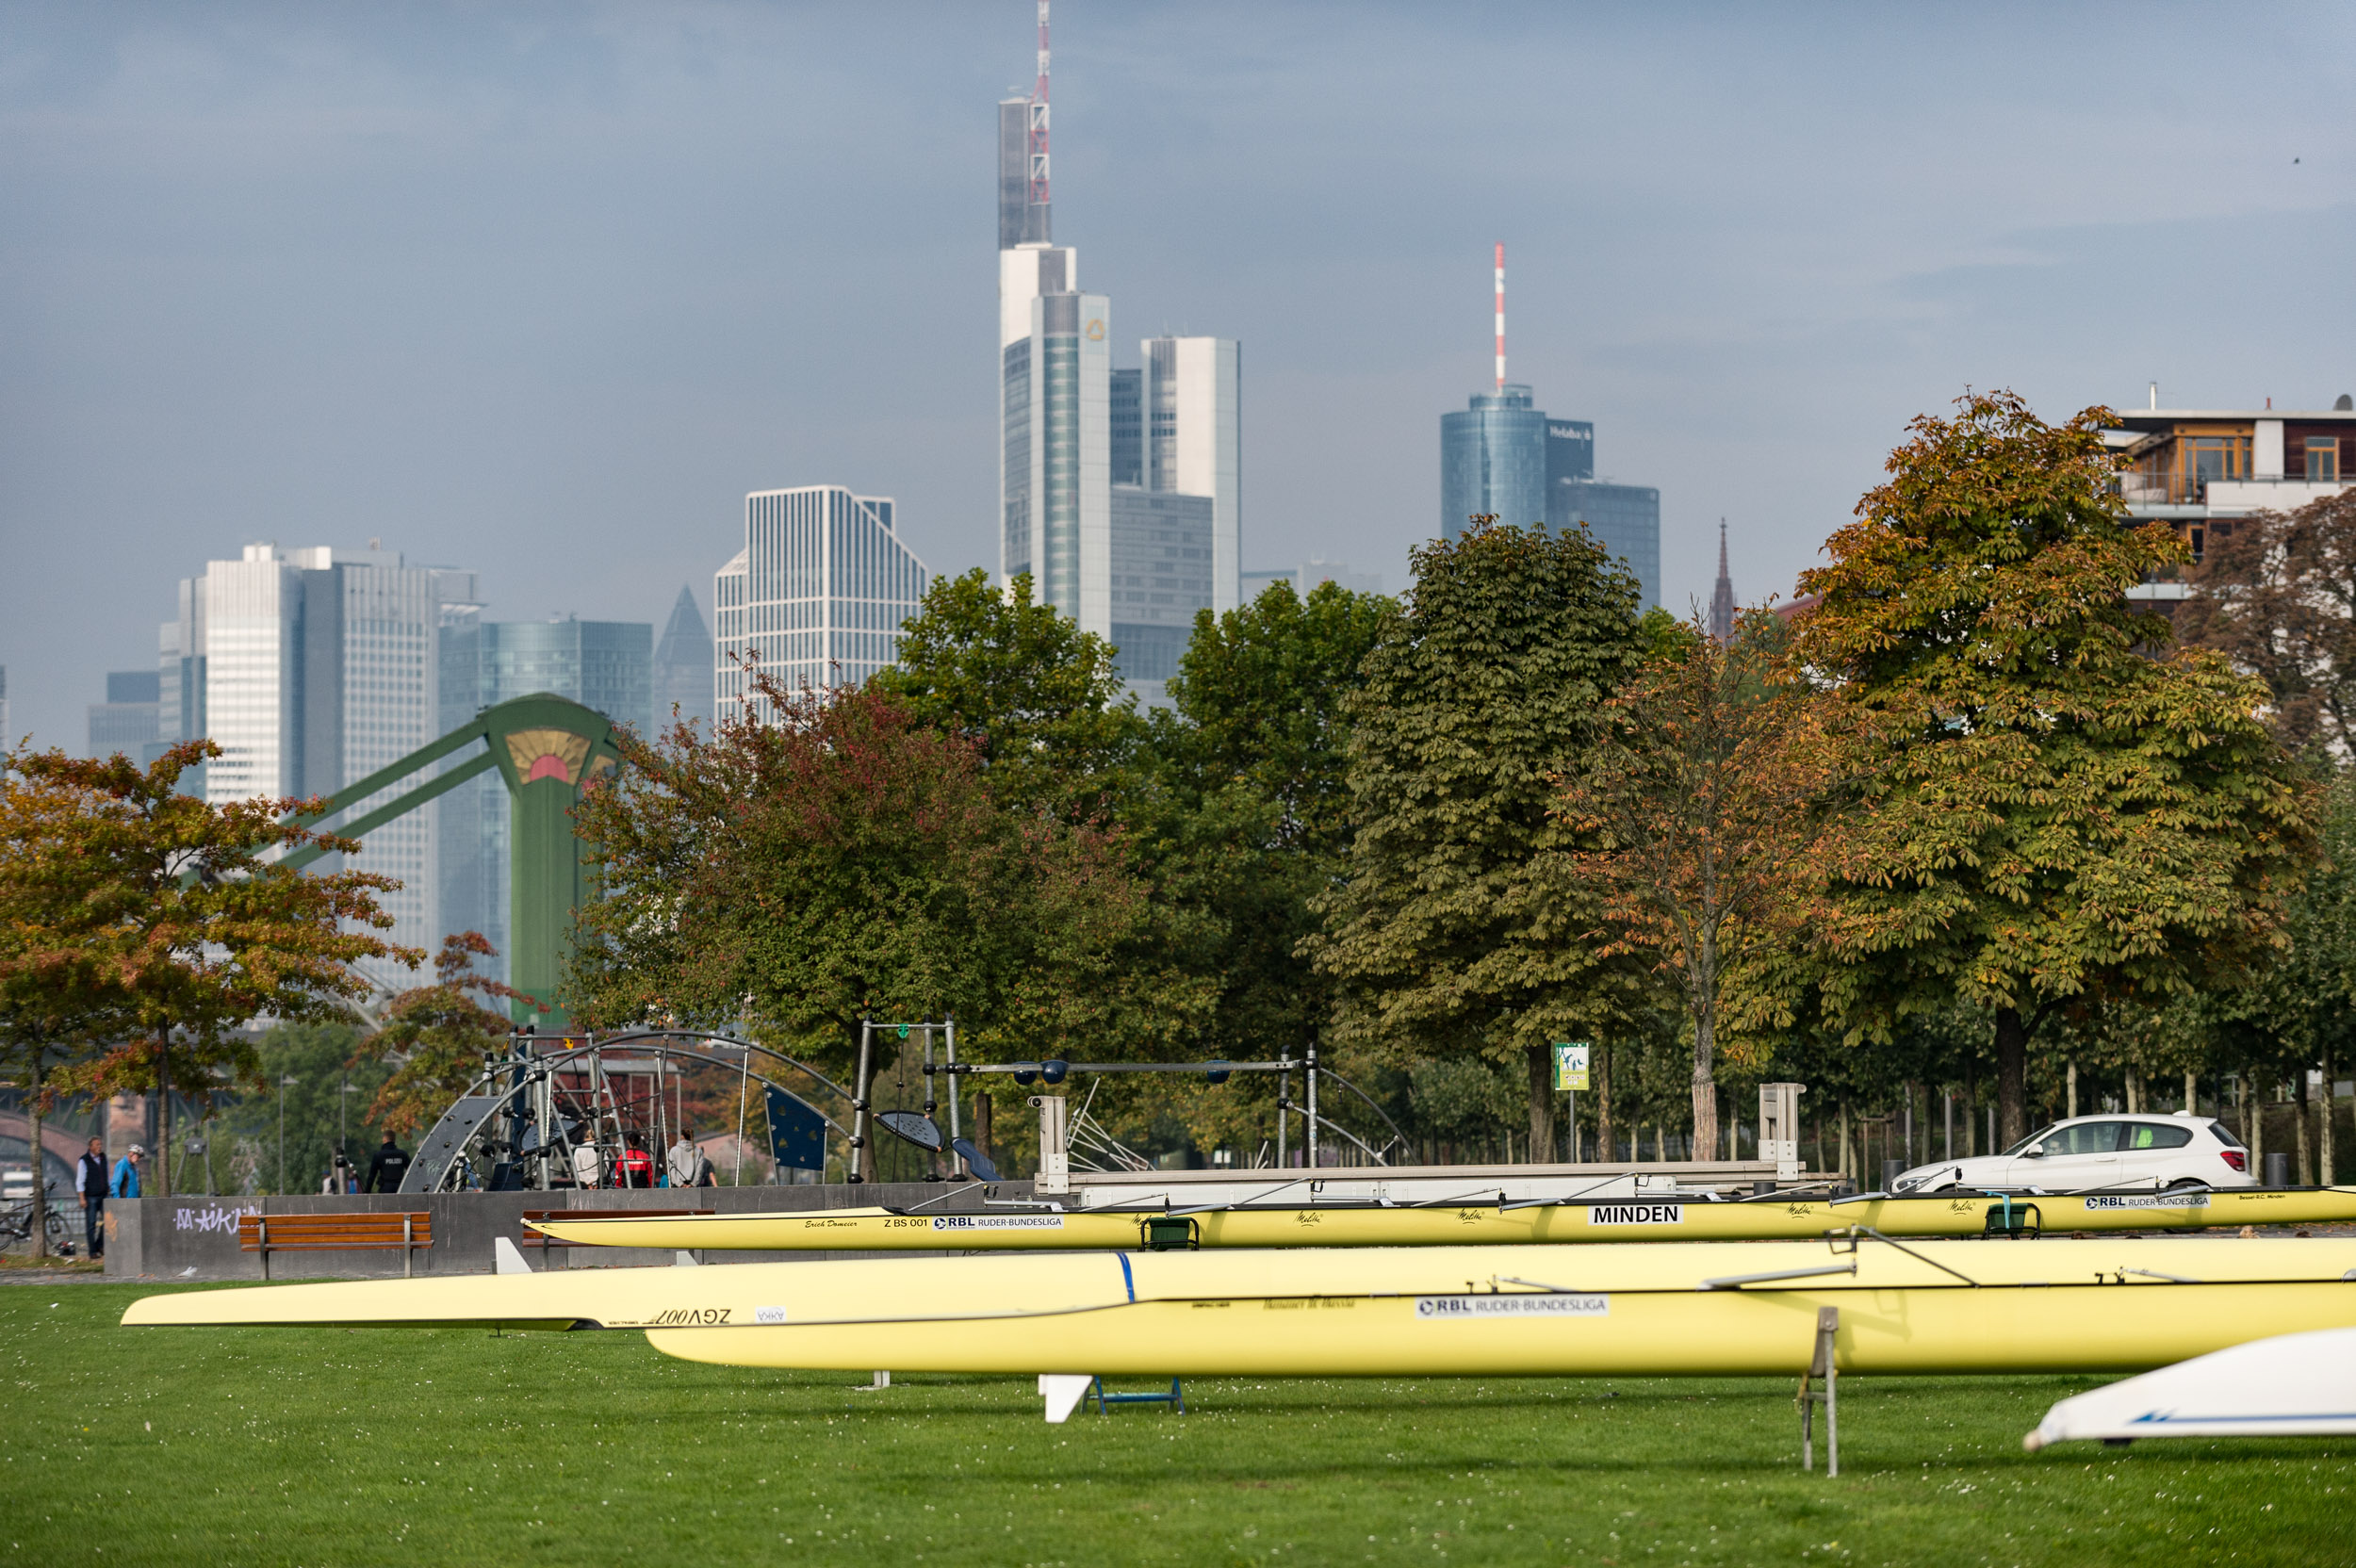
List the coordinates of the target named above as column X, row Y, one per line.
column 1500, row 283
column 1039, row 117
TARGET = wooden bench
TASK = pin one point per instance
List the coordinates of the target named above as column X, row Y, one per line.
column 335, row 1232
column 534, row 1236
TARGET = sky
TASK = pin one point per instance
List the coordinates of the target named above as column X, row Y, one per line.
column 544, row 289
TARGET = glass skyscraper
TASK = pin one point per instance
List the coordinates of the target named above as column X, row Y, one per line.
column 310, row 669
column 1493, row 461
column 818, row 593
column 682, row 666
column 1504, row 457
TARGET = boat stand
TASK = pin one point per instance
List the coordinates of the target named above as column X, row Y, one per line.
column 1821, row 1365
column 1175, row 1398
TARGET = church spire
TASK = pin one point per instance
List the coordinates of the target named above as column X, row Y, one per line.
column 1722, row 601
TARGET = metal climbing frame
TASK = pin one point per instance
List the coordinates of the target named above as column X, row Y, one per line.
column 545, row 1118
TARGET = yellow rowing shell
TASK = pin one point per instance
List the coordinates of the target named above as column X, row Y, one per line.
column 1464, row 1224
column 2103, row 1305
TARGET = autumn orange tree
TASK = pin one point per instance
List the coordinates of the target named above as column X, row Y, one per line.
column 834, row 859
column 2276, row 594
column 190, row 929
column 2062, row 806
column 436, row 1036
column 57, row 1001
column 1698, row 812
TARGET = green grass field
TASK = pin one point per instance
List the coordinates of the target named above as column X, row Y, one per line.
column 386, row 1445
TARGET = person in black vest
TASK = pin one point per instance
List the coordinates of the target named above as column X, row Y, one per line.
column 390, row 1165
column 89, row 1180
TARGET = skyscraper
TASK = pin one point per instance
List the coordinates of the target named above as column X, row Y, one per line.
column 311, row 669
column 607, row 665
column 1624, row 518
column 818, row 593
column 1120, row 490
column 127, row 721
column 1502, row 457
column 682, row 666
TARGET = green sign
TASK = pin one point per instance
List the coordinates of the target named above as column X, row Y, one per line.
column 1570, row 1068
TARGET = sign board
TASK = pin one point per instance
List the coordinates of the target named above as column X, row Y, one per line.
column 1570, row 1068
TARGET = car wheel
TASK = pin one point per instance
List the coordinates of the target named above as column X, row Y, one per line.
column 2187, row 1183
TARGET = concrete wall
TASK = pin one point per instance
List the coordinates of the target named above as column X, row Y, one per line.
column 196, row 1238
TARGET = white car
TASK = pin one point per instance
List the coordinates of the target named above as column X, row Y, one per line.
column 2133, row 1153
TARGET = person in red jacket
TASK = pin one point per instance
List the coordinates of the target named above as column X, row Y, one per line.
column 635, row 1167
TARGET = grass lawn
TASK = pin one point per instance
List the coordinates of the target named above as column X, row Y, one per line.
column 390, row 1445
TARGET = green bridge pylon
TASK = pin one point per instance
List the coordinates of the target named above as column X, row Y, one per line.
column 548, row 749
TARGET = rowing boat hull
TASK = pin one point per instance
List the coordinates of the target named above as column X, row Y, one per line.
column 1944, row 1307
column 1458, row 1225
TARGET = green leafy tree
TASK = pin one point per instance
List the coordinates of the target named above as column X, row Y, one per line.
column 437, row 1037
column 1040, row 701
column 1461, row 926
column 1244, row 821
column 2059, row 805
column 197, row 928
column 839, row 861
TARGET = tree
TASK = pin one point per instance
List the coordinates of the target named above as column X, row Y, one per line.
column 2060, row 806
column 1244, row 818
column 838, row 861
column 1040, row 700
column 57, row 997
column 1460, row 925
column 1698, row 814
column 2276, row 595
column 196, row 930
column 437, row 1035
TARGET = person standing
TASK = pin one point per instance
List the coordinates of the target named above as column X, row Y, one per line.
column 689, row 1168
column 390, row 1165
column 635, row 1167
column 89, row 1181
column 125, row 1181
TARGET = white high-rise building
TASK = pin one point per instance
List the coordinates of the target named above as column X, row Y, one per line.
column 817, row 593
column 312, row 669
column 1119, row 491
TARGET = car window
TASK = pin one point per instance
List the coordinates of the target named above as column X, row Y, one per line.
column 2087, row 1138
column 2155, row 1134
column 2224, row 1134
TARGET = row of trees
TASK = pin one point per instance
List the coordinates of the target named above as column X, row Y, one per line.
column 1969, row 818
column 1975, row 786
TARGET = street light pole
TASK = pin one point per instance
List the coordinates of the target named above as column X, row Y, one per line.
column 283, row 1084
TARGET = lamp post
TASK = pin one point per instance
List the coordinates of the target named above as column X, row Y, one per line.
column 283, row 1084
column 343, row 1136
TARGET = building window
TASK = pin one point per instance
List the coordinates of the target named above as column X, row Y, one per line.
column 2323, row 458
column 2217, row 457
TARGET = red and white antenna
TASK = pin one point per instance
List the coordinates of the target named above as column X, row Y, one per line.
column 1039, row 117
column 1500, row 291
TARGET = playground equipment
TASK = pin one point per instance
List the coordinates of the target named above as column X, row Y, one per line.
column 547, row 750
column 558, row 1111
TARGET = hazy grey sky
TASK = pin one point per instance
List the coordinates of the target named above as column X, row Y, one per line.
column 544, row 289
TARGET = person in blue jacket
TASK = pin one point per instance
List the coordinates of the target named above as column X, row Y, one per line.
column 126, row 1177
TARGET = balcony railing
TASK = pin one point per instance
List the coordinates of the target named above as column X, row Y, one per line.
column 2177, row 490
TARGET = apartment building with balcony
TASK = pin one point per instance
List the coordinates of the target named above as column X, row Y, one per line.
column 2201, row 468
